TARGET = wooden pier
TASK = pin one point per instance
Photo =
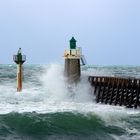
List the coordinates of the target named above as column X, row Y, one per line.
column 116, row 90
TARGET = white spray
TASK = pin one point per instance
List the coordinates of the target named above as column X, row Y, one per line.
column 58, row 89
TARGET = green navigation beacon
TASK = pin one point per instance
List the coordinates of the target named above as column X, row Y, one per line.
column 19, row 58
column 72, row 43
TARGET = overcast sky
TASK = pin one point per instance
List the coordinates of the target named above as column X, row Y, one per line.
column 107, row 30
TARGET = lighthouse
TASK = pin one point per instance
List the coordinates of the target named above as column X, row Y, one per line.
column 72, row 57
column 19, row 59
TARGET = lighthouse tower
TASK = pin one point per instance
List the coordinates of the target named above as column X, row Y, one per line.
column 19, row 59
column 72, row 62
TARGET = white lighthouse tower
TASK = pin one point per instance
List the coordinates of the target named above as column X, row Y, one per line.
column 72, row 62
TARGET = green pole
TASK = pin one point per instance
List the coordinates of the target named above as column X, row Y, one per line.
column 19, row 56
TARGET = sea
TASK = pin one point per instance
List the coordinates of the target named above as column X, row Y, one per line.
column 48, row 108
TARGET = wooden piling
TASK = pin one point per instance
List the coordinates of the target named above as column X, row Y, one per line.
column 116, row 90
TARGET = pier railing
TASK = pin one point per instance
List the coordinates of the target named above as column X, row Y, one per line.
column 22, row 59
column 116, row 90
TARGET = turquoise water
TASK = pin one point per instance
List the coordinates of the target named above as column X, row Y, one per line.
column 47, row 110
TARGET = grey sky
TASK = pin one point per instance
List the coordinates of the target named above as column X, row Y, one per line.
column 107, row 30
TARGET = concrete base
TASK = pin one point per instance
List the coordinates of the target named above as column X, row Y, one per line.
column 72, row 69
